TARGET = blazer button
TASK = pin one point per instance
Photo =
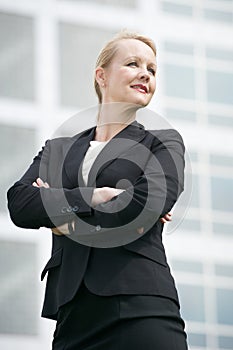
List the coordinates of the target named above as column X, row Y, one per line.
column 69, row 209
column 98, row 228
column 75, row 208
column 63, row 210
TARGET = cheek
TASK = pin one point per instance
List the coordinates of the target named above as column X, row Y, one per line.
column 119, row 77
column 126, row 74
column 153, row 86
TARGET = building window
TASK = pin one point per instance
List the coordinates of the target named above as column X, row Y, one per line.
column 194, row 311
column 219, row 87
column 182, row 115
column 222, row 193
column 193, row 156
column 224, row 270
column 19, row 290
column 225, row 343
column 224, row 306
column 79, row 48
column 222, row 228
column 17, row 63
column 179, row 81
column 197, row 339
column 213, row 52
column 17, row 147
column 180, row 48
column 221, row 160
column 220, row 120
column 220, row 16
column 190, row 225
column 177, row 9
column 195, row 198
column 117, row 3
column 187, row 266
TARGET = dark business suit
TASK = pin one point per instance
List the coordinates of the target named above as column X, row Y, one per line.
column 136, row 268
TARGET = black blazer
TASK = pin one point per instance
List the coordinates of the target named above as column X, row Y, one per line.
column 151, row 164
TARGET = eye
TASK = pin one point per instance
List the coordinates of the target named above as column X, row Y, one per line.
column 132, row 64
column 152, row 71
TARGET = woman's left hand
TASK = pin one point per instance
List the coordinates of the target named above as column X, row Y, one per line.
column 167, row 217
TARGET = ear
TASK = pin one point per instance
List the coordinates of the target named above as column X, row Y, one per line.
column 100, row 76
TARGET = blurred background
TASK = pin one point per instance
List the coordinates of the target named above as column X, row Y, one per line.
column 48, row 50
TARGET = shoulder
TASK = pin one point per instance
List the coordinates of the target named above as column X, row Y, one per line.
column 166, row 134
column 67, row 140
column 166, row 138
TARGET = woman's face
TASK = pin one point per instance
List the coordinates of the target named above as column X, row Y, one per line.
column 130, row 77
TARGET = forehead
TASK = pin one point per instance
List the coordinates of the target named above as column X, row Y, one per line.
column 134, row 47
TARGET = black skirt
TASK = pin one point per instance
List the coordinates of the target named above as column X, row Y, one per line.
column 121, row 322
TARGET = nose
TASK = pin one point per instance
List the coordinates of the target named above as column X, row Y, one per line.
column 144, row 75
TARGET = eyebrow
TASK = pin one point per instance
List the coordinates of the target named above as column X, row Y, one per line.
column 138, row 58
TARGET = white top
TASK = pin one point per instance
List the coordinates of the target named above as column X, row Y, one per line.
column 94, row 149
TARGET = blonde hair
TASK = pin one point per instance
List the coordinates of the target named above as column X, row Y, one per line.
column 107, row 53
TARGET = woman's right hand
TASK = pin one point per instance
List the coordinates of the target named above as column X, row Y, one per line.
column 104, row 194
column 60, row 230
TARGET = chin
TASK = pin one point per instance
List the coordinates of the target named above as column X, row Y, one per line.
column 142, row 103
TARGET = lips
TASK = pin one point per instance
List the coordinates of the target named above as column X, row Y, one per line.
column 140, row 87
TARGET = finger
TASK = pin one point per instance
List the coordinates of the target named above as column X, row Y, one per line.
column 57, row 233
column 35, row 184
column 63, row 229
column 39, row 181
column 120, row 190
column 163, row 220
column 140, row 230
column 167, row 217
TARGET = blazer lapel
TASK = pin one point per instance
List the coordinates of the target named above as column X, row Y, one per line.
column 118, row 145
column 73, row 155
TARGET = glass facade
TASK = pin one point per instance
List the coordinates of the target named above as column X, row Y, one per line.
column 225, row 342
column 224, row 306
column 177, row 9
column 116, row 3
column 219, row 87
column 182, row 115
column 220, row 121
column 19, row 289
column 197, row 339
column 17, row 61
column 216, row 15
column 179, row 81
column 222, row 193
column 194, row 311
column 17, row 147
column 214, row 53
column 79, row 47
column 195, row 94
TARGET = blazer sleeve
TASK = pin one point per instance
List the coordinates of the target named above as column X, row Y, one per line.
column 32, row 207
column 151, row 196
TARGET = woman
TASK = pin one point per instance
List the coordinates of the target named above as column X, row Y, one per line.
column 109, row 285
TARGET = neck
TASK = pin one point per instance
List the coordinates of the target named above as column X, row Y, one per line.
column 112, row 118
